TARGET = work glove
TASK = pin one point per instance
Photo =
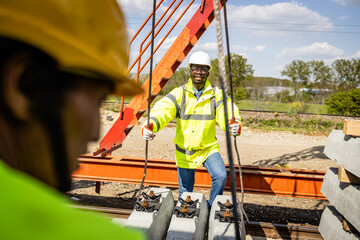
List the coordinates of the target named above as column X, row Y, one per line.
column 235, row 128
column 147, row 133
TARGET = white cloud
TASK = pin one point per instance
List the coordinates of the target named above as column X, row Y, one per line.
column 238, row 48
column 140, row 7
column 188, row 15
column 317, row 49
column 357, row 54
column 133, row 6
column 342, row 2
column 259, row 48
column 344, row 17
column 130, row 32
column 279, row 67
column 287, row 16
column 347, row 2
column 208, row 46
column 167, row 43
column 245, row 55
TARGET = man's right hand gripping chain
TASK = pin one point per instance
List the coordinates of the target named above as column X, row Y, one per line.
column 147, row 133
column 235, row 128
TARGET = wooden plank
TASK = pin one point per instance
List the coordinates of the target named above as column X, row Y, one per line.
column 347, row 177
column 352, row 127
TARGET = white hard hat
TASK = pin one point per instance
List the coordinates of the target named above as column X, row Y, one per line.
column 200, row 58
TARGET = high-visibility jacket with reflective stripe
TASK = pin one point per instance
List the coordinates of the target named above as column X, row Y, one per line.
column 29, row 209
column 196, row 121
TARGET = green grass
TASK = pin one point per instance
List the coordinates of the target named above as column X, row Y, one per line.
column 293, row 124
column 282, row 107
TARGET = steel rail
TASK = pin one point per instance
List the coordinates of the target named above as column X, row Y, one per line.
column 311, row 114
column 112, row 212
column 265, row 111
column 261, row 180
column 281, row 231
column 260, row 229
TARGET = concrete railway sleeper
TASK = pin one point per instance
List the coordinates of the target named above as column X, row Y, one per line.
column 259, row 229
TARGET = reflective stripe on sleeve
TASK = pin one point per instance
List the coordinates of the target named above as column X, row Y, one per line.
column 173, row 99
column 156, row 121
column 218, row 104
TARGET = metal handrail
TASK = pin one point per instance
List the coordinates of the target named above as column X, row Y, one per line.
column 167, row 34
column 145, row 22
column 167, row 19
column 147, row 36
column 142, row 50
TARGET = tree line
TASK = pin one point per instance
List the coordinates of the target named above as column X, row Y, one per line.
column 342, row 75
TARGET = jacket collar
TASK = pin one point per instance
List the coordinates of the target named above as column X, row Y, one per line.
column 207, row 87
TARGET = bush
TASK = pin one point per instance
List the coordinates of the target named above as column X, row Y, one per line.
column 307, row 96
column 298, row 107
column 295, row 124
column 345, row 103
column 284, row 96
column 241, row 93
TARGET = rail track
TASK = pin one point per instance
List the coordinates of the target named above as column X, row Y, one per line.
column 261, row 111
column 311, row 114
column 258, row 229
column 160, row 172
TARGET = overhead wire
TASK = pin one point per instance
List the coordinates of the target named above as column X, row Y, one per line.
column 259, row 28
column 280, row 30
column 277, row 23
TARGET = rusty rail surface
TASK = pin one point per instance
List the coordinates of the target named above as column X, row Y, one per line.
column 262, row 180
column 259, row 229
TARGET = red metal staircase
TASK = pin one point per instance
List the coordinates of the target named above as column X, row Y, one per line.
column 163, row 70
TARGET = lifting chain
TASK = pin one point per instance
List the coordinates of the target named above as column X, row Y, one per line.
column 224, row 87
column 149, row 96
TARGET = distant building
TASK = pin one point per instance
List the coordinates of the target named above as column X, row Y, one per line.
column 272, row 90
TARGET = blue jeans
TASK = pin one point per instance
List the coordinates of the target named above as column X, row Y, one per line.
column 215, row 166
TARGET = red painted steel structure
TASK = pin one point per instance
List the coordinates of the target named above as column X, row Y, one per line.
column 296, row 183
column 161, row 74
column 264, row 180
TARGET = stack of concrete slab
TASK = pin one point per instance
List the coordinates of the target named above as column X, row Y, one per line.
column 341, row 187
column 186, row 227
column 154, row 223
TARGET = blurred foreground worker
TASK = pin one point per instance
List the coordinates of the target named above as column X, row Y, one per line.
column 197, row 107
column 59, row 59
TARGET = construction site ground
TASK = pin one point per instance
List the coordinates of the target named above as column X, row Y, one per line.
column 256, row 147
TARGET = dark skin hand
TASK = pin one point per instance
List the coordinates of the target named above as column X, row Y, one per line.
column 198, row 75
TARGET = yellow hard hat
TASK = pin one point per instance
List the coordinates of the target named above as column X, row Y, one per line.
column 82, row 35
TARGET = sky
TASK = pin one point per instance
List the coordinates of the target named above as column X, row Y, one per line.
column 269, row 34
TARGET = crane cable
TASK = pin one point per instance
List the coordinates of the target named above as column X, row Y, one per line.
column 232, row 108
column 228, row 141
column 149, row 98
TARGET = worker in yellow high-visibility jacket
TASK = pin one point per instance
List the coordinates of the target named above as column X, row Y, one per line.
column 197, row 107
column 58, row 60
